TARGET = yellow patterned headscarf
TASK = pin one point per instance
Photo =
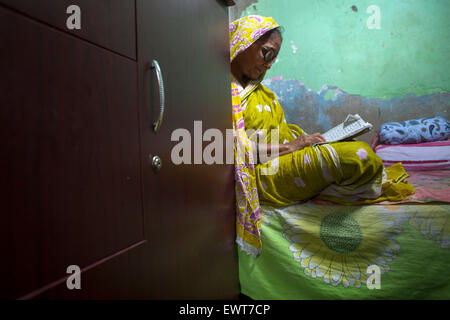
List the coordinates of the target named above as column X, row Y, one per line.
column 243, row 33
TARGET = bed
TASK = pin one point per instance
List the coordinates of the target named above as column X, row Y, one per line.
column 317, row 250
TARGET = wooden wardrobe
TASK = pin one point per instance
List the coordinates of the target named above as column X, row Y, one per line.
column 80, row 182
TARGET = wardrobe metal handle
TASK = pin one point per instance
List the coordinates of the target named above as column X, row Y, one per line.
column 157, row 124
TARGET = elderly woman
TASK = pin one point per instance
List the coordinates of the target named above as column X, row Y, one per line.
column 341, row 172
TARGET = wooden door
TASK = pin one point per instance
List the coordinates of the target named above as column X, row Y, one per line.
column 71, row 185
column 77, row 185
column 107, row 23
column 188, row 208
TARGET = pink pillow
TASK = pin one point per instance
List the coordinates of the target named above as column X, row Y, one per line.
column 421, row 156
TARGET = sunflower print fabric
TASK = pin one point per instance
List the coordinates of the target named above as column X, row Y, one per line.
column 314, row 251
column 339, row 246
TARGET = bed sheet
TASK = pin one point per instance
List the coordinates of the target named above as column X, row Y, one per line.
column 317, row 251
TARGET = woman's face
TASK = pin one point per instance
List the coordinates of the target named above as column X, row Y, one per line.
column 259, row 57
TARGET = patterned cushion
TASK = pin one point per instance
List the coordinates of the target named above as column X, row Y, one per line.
column 415, row 131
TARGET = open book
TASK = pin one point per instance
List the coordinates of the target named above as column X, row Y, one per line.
column 352, row 127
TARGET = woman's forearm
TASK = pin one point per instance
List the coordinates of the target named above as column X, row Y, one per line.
column 273, row 150
column 266, row 152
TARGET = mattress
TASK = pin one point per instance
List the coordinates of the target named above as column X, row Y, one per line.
column 385, row 251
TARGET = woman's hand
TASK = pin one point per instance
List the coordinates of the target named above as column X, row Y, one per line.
column 305, row 140
column 266, row 153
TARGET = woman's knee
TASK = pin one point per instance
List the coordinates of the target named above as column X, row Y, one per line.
column 357, row 157
column 362, row 151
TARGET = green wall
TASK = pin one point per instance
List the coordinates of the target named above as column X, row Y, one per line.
column 326, row 42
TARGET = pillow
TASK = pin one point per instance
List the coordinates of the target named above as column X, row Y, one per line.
column 415, row 131
column 422, row 156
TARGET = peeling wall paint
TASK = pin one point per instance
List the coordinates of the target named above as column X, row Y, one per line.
column 332, row 64
column 317, row 111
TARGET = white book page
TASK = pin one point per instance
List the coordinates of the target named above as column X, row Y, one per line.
column 353, row 125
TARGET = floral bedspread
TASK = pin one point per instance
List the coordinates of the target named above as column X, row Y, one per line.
column 384, row 251
column 431, row 186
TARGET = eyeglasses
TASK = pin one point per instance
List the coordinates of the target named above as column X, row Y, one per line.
column 268, row 53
